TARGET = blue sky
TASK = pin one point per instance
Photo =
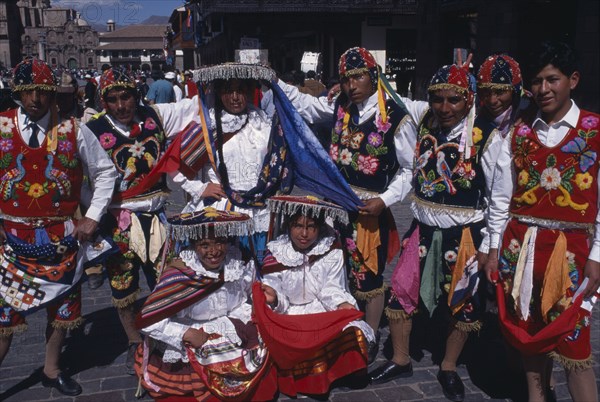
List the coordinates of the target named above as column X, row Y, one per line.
column 123, row 12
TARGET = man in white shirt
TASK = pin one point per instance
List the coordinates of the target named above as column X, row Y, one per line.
column 43, row 159
column 546, row 188
column 135, row 137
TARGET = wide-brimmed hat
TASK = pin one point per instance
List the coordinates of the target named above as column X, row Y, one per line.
column 198, row 225
column 228, row 71
column 310, row 206
column 33, row 74
column 67, row 83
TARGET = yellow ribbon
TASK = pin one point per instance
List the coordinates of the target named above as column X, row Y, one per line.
column 367, row 240
column 556, row 277
column 466, row 250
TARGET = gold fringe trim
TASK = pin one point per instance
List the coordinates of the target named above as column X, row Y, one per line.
column 31, row 87
column 492, row 85
column 355, row 71
column 118, row 84
column 395, row 315
column 445, row 85
column 468, row 326
column 443, row 208
column 68, row 324
column 572, row 364
column 129, row 300
column 6, row 332
column 371, row 294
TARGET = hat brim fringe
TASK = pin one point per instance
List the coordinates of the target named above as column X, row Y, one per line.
column 290, row 208
column 220, row 229
column 230, row 71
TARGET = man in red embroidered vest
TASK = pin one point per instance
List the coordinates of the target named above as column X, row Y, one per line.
column 546, row 188
column 42, row 160
column 135, row 138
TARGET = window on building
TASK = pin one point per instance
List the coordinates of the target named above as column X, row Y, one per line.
column 53, row 61
column 27, row 18
column 90, row 61
column 38, row 21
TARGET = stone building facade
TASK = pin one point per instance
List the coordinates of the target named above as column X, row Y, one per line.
column 10, row 28
column 57, row 35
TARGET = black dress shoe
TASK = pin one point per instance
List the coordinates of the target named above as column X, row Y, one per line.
column 63, row 383
column 451, row 385
column 95, row 281
column 389, row 371
column 373, row 349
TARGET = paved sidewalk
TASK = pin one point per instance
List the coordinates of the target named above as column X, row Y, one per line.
column 96, row 355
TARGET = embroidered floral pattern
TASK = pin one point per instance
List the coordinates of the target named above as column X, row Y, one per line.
column 107, row 140
column 584, row 180
column 65, row 127
column 6, row 144
column 367, row 164
column 558, row 180
column 150, row 123
column 6, row 125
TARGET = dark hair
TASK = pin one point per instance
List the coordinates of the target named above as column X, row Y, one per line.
column 298, row 78
column 559, row 54
column 311, row 74
column 319, row 220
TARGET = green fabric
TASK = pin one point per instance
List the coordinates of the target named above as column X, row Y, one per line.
column 432, row 275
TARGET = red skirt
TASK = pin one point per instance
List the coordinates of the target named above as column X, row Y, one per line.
column 344, row 355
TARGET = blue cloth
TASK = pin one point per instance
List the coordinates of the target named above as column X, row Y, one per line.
column 161, row 91
column 314, row 170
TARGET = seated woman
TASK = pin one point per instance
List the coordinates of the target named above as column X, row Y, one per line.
column 304, row 274
column 200, row 340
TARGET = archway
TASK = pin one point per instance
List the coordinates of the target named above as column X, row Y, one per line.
column 72, row 63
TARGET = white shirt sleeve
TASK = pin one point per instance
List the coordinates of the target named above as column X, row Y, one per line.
column 194, row 188
column 311, row 108
column 501, row 193
column 416, row 109
column 274, row 280
column 405, row 140
column 101, row 170
column 168, row 331
column 175, row 116
column 334, row 291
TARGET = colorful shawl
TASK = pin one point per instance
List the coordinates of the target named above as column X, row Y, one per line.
column 178, row 287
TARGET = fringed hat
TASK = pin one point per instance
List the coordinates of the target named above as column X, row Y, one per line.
column 115, row 78
column 459, row 79
column 451, row 77
column 500, row 72
column 308, row 206
column 196, row 225
column 33, row 74
column 228, row 71
column 358, row 60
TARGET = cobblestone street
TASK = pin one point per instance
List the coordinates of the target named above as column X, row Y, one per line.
column 95, row 355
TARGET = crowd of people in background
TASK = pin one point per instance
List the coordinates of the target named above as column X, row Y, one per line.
column 501, row 170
